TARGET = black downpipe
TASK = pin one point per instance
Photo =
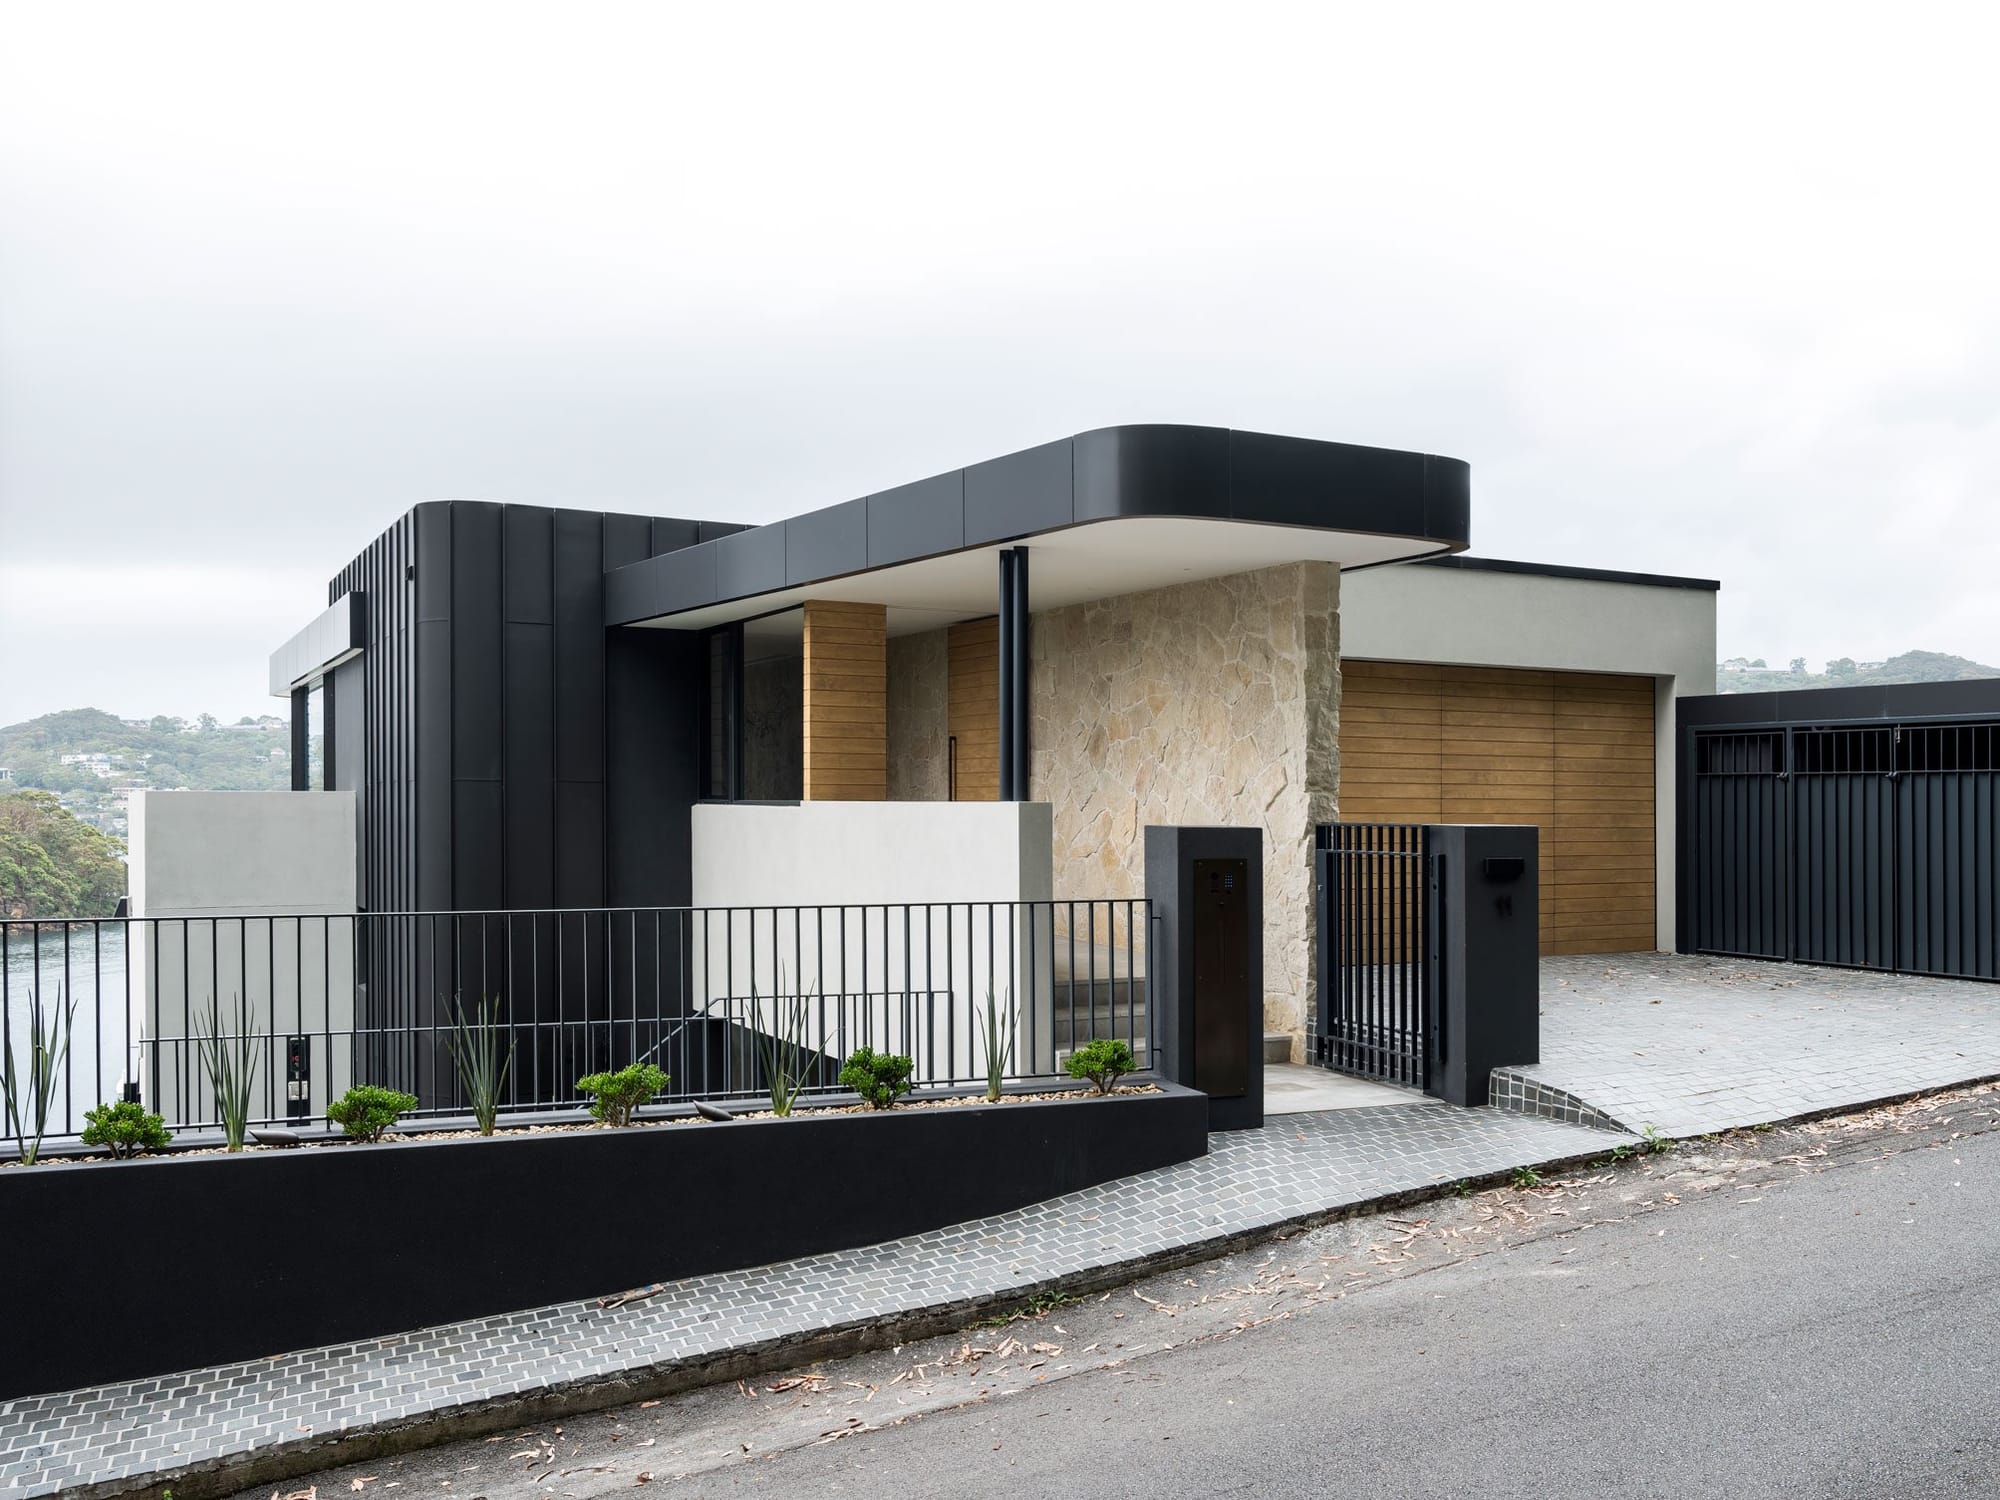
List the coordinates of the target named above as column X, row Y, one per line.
column 1014, row 745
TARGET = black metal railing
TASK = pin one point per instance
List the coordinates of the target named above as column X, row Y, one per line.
column 713, row 996
column 1378, row 1013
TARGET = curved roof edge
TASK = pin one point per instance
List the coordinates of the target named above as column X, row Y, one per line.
column 1112, row 473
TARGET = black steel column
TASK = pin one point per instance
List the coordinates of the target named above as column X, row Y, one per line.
column 735, row 711
column 301, row 740
column 1013, row 634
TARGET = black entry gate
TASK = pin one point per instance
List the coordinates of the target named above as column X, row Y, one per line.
column 1874, row 845
column 1378, row 1014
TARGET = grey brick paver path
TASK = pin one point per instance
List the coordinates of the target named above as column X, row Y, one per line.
column 1297, row 1166
column 1691, row 1045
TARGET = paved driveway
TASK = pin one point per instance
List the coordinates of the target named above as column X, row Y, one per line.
column 1690, row 1045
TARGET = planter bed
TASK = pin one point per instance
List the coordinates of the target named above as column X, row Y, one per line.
column 126, row 1269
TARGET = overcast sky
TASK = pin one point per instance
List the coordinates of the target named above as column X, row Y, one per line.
column 1708, row 291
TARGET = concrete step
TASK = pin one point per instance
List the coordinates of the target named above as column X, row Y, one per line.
column 1277, row 1046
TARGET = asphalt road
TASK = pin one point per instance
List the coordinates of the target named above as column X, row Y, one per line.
column 1813, row 1312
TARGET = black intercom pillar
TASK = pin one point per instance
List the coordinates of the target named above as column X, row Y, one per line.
column 1486, row 948
column 1207, row 958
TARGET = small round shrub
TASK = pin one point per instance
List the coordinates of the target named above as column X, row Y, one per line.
column 878, row 1077
column 125, row 1129
column 615, row 1095
column 367, row 1110
column 1103, row 1062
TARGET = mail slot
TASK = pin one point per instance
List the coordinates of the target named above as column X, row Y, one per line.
column 1221, row 977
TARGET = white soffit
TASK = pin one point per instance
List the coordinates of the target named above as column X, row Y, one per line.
column 1098, row 560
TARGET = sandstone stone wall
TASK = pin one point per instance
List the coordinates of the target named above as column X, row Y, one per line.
column 1210, row 702
column 918, row 699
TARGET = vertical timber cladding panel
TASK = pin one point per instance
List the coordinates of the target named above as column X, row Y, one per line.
column 846, row 742
column 1569, row 752
column 974, row 710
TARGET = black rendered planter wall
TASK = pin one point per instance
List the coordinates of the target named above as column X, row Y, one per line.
column 125, row 1269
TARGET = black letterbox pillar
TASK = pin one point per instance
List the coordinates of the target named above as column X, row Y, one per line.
column 1487, row 945
column 1207, row 966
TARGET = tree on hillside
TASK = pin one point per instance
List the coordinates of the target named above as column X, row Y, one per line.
column 52, row 864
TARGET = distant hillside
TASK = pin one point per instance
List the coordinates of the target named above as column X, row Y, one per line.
column 1741, row 675
column 109, row 756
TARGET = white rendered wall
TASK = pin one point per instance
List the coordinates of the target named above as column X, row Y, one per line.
column 1472, row 618
column 215, row 864
column 914, row 979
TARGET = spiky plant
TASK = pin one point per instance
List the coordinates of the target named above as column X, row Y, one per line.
column 31, row 1099
column 475, row 1045
column 999, row 1056
column 230, row 1060
column 787, row 1057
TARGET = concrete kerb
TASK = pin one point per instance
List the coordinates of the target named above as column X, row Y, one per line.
column 225, row 1474
column 1581, row 1112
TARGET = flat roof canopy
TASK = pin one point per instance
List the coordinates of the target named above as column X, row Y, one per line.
column 1107, row 512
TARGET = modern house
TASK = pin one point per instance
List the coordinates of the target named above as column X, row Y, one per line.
column 551, row 709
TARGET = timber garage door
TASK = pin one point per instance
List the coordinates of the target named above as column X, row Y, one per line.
column 1570, row 752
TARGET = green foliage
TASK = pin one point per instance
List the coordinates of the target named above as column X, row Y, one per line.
column 476, row 1050
column 1739, row 676
column 230, row 1060
column 30, row 1092
column 52, row 864
column 880, row 1078
column 367, row 1110
column 1527, row 1177
column 1653, row 1143
column 161, row 753
column 615, row 1095
column 1104, row 1061
column 1038, row 1306
column 998, row 1054
column 125, row 1129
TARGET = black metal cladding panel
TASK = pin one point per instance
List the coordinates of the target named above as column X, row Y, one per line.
column 1447, row 498
column 1192, row 472
column 670, row 534
column 1015, row 496
column 825, row 543
column 677, row 580
column 917, row 520
column 654, row 680
column 579, row 646
column 709, row 531
column 527, row 537
column 1914, row 700
column 1152, row 471
column 1741, row 872
column 477, row 853
column 1293, row 482
column 475, row 642
column 431, row 559
column 1842, row 837
column 530, row 760
column 750, row 562
column 627, row 539
column 579, row 843
column 1948, row 872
